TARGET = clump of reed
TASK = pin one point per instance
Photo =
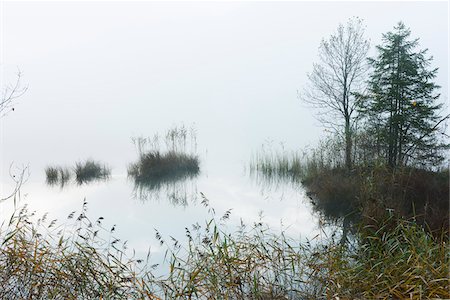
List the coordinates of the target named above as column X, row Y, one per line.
column 57, row 175
column 273, row 165
column 91, row 170
column 161, row 165
column 248, row 264
column 84, row 172
column 156, row 168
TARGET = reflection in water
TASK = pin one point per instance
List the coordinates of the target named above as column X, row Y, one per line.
column 179, row 189
column 277, row 170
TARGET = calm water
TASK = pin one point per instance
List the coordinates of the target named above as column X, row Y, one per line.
column 231, row 69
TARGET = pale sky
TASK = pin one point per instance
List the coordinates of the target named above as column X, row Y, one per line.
column 101, row 72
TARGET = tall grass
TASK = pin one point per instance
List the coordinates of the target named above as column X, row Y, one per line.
column 90, row 171
column 338, row 193
column 276, row 163
column 157, row 168
column 398, row 259
column 41, row 259
column 57, row 176
column 393, row 259
column 84, row 172
column 272, row 165
column 164, row 165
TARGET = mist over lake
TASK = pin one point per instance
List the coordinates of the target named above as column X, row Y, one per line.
column 109, row 82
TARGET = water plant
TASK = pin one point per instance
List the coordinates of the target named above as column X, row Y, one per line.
column 57, row 175
column 43, row 259
column 83, row 259
column 367, row 190
column 164, row 165
column 157, row 168
column 91, row 170
column 51, row 174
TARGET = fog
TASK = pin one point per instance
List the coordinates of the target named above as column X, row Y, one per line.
column 100, row 73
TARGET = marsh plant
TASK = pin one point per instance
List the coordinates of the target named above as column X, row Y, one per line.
column 274, row 165
column 400, row 258
column 57, row 176
column 84, row 172
column 165, row 162
column 42, row 258
column 91, row 170
column 366, row 190
column 83, row 259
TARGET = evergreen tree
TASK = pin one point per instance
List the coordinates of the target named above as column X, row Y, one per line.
column 402, row 108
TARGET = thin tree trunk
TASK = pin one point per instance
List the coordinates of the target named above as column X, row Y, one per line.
column 348, row 144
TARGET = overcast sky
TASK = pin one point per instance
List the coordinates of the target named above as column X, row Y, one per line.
column 101, row 72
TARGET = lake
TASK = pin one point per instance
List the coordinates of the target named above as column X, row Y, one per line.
column 231, row 70
column 227, row 184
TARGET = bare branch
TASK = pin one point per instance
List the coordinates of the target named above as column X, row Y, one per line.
column 10, row 93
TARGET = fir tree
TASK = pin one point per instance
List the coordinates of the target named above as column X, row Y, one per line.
column 402, row 107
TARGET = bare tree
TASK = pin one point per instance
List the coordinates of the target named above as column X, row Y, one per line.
column 9, row 94
column 337, row 79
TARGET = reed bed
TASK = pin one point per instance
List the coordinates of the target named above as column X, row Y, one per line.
column 157, row 168
column 392, row 259
column 51, row 174
column 84, row 172
column 274, row 166
column 367, row 190
column 41, row 259
column 91, row 170
column 57, row 176
column 165, row 163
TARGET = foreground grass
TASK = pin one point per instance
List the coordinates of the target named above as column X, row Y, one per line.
column 394, row 258
column 44, row 260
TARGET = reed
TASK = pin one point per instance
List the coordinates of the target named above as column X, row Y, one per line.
column 164, row 165
column 57, row 175
column 42, row 259
column 90, row 170
column 51, row 174
column 393, row 258
column 156, row 168
column 366, row 190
